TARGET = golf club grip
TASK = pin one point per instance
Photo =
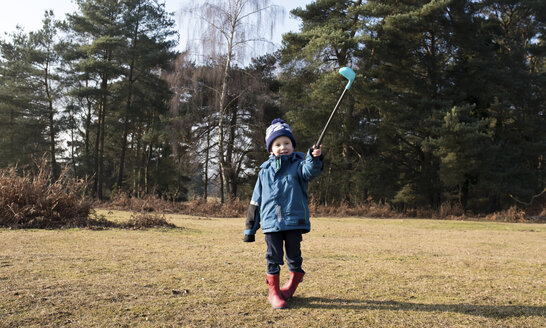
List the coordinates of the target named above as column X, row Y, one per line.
column 319, row 141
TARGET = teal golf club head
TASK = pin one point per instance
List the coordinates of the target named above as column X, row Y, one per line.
column 349, row 74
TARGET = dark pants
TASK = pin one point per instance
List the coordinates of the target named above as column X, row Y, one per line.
column 274, row 254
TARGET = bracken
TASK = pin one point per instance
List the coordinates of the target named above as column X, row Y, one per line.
column 32, row 200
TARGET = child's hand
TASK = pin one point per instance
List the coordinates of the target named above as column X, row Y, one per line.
column 316, row 152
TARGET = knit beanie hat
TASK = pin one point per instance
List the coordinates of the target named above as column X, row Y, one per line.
column 278, row 128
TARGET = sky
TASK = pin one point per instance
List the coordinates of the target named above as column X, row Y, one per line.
column 29, row 14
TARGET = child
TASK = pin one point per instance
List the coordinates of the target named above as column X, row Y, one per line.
column 279, row 203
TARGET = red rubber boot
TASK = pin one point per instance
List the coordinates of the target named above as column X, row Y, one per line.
column 290, row 287
column 275, row 297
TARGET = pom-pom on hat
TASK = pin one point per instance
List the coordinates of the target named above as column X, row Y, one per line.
column 278, row 128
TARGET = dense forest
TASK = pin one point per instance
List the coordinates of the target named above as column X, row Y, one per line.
column 447, row 106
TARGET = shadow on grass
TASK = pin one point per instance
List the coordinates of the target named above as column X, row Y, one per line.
column 492, row 311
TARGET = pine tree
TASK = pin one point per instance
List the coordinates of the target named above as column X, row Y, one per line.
column 495, row 71
column 462, row 147
column 447, row 67
column 516, row 104
column 45, row 58
column 412, row 50
column 330, row 38
column 98, row 32
column 148, row 32
column 27, row 113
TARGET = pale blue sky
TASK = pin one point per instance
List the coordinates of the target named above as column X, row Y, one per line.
column 29, row 14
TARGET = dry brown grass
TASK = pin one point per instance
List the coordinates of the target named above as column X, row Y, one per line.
column 32, row 201
column 360, row 273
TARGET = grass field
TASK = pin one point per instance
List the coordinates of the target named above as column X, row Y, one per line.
column 360, row 272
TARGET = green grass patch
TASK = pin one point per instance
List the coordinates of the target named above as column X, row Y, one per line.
column 360, row 272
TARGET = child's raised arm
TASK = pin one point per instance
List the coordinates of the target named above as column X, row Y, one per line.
column 312, row 166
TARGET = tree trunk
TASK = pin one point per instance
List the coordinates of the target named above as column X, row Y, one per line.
column 221, row 158
column 125, row 129
column 72, row 152
column 123, row 151
column 232, row 187
column 147, row 169
column 207, row 154
column 54, row 170
column 463, row 194
column 136, row 161
column 128, row 106
column 96, row 154
column 87, row 124
column 102, row 113
column 223, row 109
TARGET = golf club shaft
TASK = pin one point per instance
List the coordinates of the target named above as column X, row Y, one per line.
column 317, row 144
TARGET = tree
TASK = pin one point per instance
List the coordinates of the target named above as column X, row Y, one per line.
column 22, row 128
column 446, row 91
column 497, row 72
column 31, row 95
column 45, row 57
column 413, row 49
column 455, row 84
column 148, row 33
column 331, row 37
column 98, row 31
column 462, row 146
column 252, row 96
column 229, row 28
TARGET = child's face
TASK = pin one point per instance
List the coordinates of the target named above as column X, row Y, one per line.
column 282, row 146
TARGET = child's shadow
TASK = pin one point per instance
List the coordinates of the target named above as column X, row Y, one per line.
column 494, row 311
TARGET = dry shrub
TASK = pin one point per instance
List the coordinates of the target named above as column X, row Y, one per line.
column 196, row 207
column 513, row 214
column 33, row 201
column 149, row 203
column 516, row 214
column 233, row 208
column 146, row 220
column 449, row 211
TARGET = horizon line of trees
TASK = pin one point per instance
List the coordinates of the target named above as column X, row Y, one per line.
column 448, row 103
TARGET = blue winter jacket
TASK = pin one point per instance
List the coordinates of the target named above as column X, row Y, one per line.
column 279, row 201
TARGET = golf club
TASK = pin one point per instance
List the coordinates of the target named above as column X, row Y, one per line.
column 349, row 74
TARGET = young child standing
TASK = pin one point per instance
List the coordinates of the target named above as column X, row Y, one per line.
column 280, row 205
